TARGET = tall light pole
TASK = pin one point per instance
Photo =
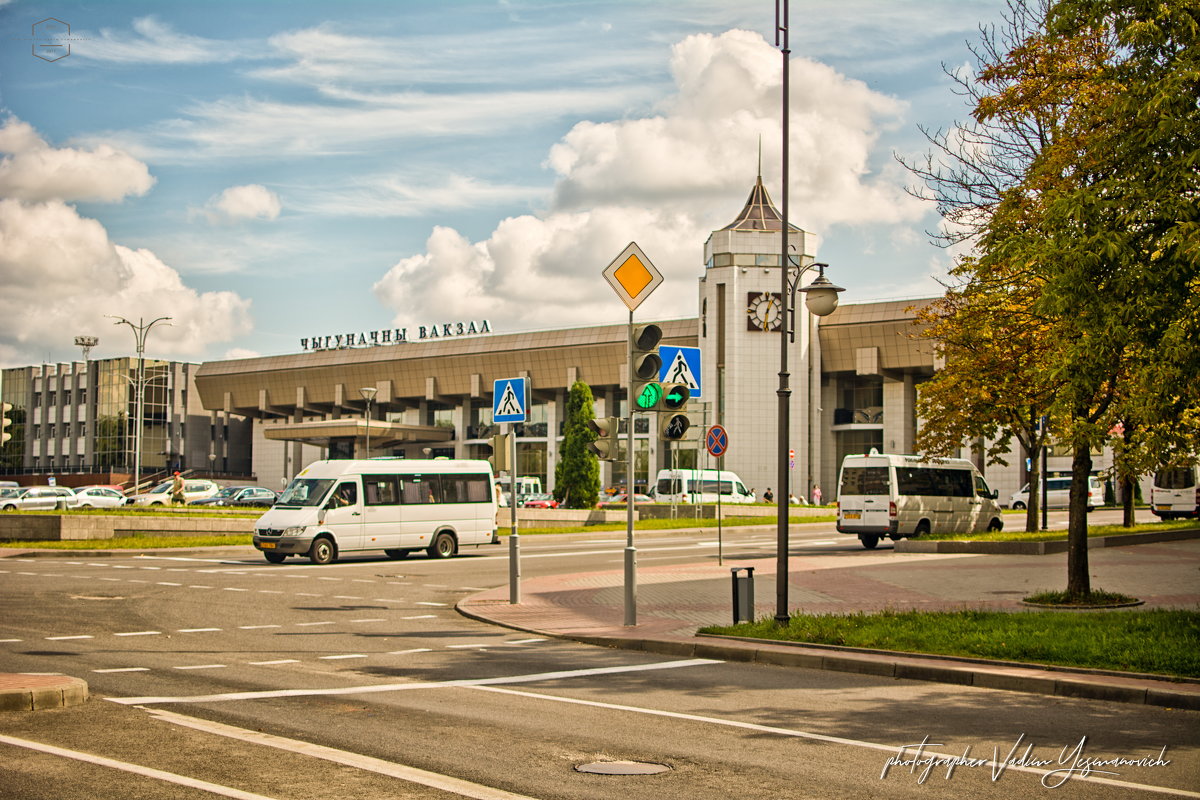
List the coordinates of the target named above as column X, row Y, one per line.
column 821, row 300
column 139, row 334
column 368, row 393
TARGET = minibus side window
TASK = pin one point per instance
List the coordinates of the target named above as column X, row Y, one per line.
column 380, row 490
column 420, row 489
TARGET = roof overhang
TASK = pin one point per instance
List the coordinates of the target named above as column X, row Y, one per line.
column 383, row 434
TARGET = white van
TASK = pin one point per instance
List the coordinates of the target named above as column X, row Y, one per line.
column 1058, row 494
column 901, row 495
column 1175, row 493
column 700, row 486
column 393, row 505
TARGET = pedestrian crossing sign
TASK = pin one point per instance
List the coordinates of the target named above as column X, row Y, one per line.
column 681, row 365
column 508, row 400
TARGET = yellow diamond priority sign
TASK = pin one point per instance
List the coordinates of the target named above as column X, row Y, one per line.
column 632, row 276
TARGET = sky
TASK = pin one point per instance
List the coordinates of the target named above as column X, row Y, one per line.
column 266, row 172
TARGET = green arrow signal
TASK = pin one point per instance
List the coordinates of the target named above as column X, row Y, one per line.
column 676, row 397
column 650, row 395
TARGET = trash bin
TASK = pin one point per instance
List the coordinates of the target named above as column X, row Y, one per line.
column 743, row 594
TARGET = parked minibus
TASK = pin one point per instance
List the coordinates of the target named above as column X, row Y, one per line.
column 393, row 505
column 898, row 496
column 700, row 486
column 1175, row 493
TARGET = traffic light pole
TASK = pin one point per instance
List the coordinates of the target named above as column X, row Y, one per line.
column 630, row 550
column 514, row 537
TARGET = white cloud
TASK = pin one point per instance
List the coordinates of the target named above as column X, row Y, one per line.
column 154, row 42
column 665, row 181
column 395, row 195
column 252, row 201
column 32, row 170
column 62, row 274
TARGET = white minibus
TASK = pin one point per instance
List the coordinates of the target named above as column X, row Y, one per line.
column 393, row 505
column 901, row 495
column 700, row 486
column 1175, row 493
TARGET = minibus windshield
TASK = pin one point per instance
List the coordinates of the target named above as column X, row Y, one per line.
column 305, row 492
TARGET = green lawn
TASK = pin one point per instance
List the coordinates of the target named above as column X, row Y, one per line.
column 1158, row 641
column 146, row 542
column 1019, row 535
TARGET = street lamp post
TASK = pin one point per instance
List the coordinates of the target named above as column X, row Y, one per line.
column 139, row 335
column 368, row 393
column 821, row 299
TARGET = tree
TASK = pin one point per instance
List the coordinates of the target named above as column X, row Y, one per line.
column 577, row 475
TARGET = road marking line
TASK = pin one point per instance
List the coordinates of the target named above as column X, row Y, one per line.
column 202, row 666
column 387, row 600
column 396, row 687
column 375, row 619
column 124, row 669
column 306, row 594
column 233, row 589
column 439, row 605
column 886, row 748
column 256, row 627
column 433, row 780
column 422, row 616
column 310, row 624
column 338, row 658
column 269, row 591
column 279, row 661
column 60, row 638
column 139, row 633
column 10, row 640
column 196, row 630
column 137, row 769
column 199, row 586
column 118, row 580
column 526, row 641
column 475, row 646
column 164, row 583
column 406, row 652
column 346, row 597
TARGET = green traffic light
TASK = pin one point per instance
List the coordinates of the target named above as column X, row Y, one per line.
column 650, row 395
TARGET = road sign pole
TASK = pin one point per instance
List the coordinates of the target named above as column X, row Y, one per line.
column 514, row 536
column 630, row 501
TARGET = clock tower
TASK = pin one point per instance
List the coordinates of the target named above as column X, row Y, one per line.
column 741, row 322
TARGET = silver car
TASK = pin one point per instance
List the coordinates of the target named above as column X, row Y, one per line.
column 39, row 498
column 99, row 497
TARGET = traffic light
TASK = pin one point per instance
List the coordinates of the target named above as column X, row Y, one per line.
column 673, row 426
column 501, row 447
column 605, row 445
column 5, row 422
column 645, row 368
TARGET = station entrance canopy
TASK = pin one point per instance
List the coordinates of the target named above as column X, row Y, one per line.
column 383, row 434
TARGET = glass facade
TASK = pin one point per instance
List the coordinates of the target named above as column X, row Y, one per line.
column 15, row 391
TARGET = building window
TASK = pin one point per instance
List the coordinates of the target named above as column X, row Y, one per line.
column 83, row 397
column 67, row 397
column 51, row 398
column 37, row 432
column 37, row 399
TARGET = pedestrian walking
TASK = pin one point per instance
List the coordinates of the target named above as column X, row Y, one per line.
column 816, row 495
column 177, row 489
column 768, row 496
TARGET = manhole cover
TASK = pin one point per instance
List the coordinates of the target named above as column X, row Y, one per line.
column 622, row 768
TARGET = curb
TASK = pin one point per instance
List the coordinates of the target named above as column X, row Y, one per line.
column 1017, row 677
column 40, row 692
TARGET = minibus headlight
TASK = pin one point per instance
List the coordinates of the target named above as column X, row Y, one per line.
column 296, row 531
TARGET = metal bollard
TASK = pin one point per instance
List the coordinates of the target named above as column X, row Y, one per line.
column 743, row 594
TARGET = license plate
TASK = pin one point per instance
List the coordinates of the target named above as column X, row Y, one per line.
column 852, row 515
column 267, row 545
column 1162, row 508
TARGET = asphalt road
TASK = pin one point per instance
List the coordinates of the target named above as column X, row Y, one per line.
column 217, row 674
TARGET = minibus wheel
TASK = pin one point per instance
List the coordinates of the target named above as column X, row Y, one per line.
column 275, row 558
column 396, row 554
column 995, row 525
column 869, row 540
column 443, row 546
column 322, row 551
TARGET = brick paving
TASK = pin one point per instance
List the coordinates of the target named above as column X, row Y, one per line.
column 674, row 601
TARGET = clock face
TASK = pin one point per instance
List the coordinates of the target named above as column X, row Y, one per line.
column 764, row 311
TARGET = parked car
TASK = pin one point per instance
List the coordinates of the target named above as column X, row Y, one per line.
column 99, row 497
column 239, row 496
column 193, row 489
column 540, row 501
column 620, row 500
column 39, row 498
column 1058, row 494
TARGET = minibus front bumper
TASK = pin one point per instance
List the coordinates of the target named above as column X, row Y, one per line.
column 275, row 541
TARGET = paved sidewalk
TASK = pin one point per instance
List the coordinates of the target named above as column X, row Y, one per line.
column 673, row 601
